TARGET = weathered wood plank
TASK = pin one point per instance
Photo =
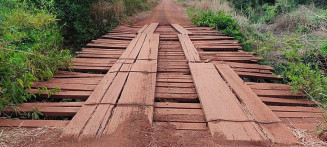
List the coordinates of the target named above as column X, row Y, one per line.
column 219, row 104
column 253, row 103
column 180, row 29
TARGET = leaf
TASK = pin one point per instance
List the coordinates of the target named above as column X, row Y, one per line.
column 38, row 111
column 20, row 81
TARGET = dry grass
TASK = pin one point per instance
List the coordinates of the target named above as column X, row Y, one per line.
column 103, row 11
column 303, row 16
column 308, row 138
column 28, row 136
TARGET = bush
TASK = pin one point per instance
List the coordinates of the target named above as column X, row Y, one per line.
column 312, row 81
column 324, row 49
column 84, row 20
column 134, row 6
column 80, row 24
column 225, row 23
column 289, row 42
column 30, row 40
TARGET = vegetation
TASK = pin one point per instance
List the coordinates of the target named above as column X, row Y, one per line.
column 84, row 20
column 30, row 40
column 289, row 34
column 218, row 20
column 34, row 33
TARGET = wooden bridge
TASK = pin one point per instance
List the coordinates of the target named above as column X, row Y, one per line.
column 193, row 78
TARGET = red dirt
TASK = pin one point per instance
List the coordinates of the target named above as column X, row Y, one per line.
column 166, row 12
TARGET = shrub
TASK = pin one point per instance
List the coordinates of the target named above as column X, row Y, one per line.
column 312, row 81
column 218, row 20
column 84, row 20
column 80, row 25
column 30, row 39
column 324, row 49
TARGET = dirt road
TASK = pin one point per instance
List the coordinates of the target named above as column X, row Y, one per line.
column 166, row 12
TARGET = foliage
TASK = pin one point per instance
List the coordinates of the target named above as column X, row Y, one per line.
column 218, row 20
column 84, row 20
column 30, row 40
column 312, row 81
column 324, row 49
column 134, row 6
column 267, row 10
column 286, row 34
column 33, row 33
column 79, row 23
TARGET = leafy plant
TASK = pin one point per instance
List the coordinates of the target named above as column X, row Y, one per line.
column 218, row 20
column 36, row 114
column 30, row 39
column 302, row 77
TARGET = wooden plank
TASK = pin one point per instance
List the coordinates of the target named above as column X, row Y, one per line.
column 104, row 85
column 139, row 89
column 186, row 126
column 75, row 126
column 189, row 45
column 122, row 114
column 142, row 29
column 135, row 43
column 253, row 103
column 144, row 66
column 219, row 104
column 269, row 86
column 94, row 80
column 32, row 123
column 166, row 111
column 47, row 111
column 278, row 93
column 298, row 114
column 189, row 50
column 173, row 84
column 259, row 76
column 102, row 93
column 284, row 101
column 245, row 65
column 177, row 105
column 310, row 127
column 295, row 109
column 68, row 74
column 151, row 28
column 53, row 104
column 65, row 86
column 178, row 96
column 150, row 53
column 183, row 118
column 63, row 94
column 97, row 119
column 96, row 126
column 180, row 29
column 175, row 90
column 112, row 94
